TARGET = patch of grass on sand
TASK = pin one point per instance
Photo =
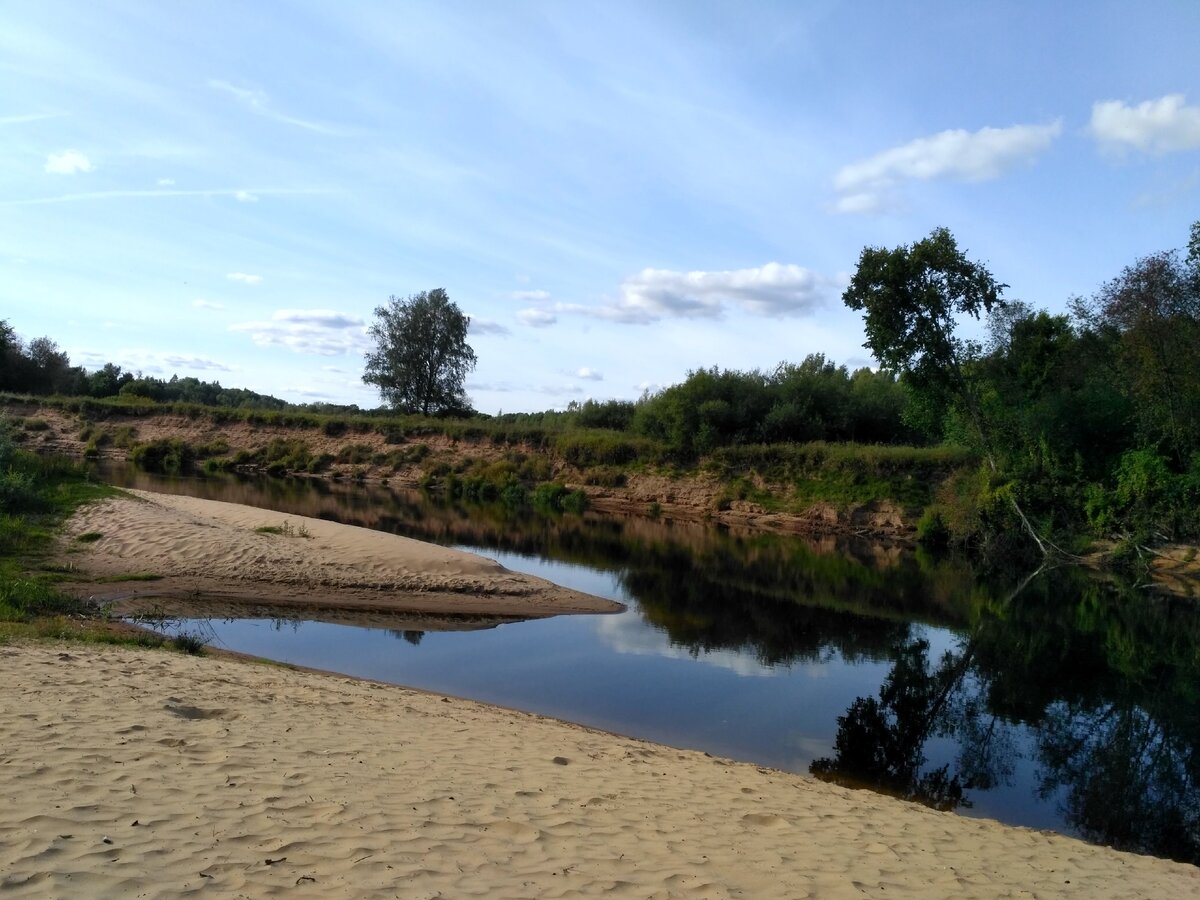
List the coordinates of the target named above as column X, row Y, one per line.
column 128, row 576
column 89, row 537
column 287, row 529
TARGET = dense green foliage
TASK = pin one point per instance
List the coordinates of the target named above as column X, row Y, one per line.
column 813, row 401
column 421, row 356
column 1088, row 424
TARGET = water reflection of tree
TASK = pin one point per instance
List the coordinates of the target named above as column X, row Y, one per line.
column 1127, row 780
column 1107, row 680
column 881, row 742
column 411, row 637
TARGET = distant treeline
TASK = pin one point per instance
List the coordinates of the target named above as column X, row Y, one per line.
column 40, row 368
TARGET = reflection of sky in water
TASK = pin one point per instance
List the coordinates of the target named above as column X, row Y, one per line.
column 630, row 634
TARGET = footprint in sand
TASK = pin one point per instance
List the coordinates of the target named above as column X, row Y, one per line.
column 765, row 820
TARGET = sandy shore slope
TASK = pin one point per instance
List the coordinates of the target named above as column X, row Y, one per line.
column 145, row 773
column 213, row 550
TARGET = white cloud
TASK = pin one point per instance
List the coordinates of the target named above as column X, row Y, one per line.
column 245, row 197
column 68, row 162
column 773, row 289
column 244, row 278
column 628, row 635
column 1165, row 125
column 537, row 318
column 201, row 303
column 486, row 326
column 321, row 332
column 589, row 374
column 866, row 186
column 165, row 182
column 530, row 296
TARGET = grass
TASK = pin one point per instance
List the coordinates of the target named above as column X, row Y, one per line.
column 89, row 537
column 129, row 576
column 39, row 494
column 286, row 529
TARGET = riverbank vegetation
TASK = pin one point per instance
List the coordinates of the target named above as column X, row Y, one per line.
column 1055, row 431
column 38, row 493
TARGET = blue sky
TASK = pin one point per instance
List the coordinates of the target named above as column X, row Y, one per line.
column 615, row 192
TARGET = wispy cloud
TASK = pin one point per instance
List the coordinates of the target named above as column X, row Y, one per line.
column 68, row 162
column 244, row 278
column 1165, row 125
column 195, row 363
column 160, row 194
column 260, row 103
column 1175, row 192
column 773, row 289
column 536, row 318
column 486, row 326
column 319, row 332
column 165, row 182
column 867, row 186
column 29, row 117
column 245, row 197
column 530, row 296
column 151, row 361
column 201, row 303
column 589, row 374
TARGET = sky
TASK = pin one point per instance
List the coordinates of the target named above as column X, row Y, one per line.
column 616, row 193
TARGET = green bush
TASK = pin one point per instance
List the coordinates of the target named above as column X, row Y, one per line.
column 555, row 496
column 169, row 456
column 932, row 530
column 355, row 454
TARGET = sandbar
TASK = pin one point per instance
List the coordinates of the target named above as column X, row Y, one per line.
column 199, row 551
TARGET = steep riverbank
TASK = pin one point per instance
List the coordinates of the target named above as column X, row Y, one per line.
column 744, row 500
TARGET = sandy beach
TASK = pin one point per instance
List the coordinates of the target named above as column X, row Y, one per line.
column 152, row 774
column 228, row 552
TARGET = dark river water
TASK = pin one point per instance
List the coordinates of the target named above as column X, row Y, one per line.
column 1068, row 702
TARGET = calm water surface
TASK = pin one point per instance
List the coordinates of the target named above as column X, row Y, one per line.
column 1068, row 703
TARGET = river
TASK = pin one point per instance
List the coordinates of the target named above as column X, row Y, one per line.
column 1069, row 702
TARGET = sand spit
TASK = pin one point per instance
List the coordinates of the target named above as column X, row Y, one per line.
column 207, row 549
column 144, row 773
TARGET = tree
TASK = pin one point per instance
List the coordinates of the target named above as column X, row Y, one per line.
column 421, row 355
column 912, row 297
column 1152, row 309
